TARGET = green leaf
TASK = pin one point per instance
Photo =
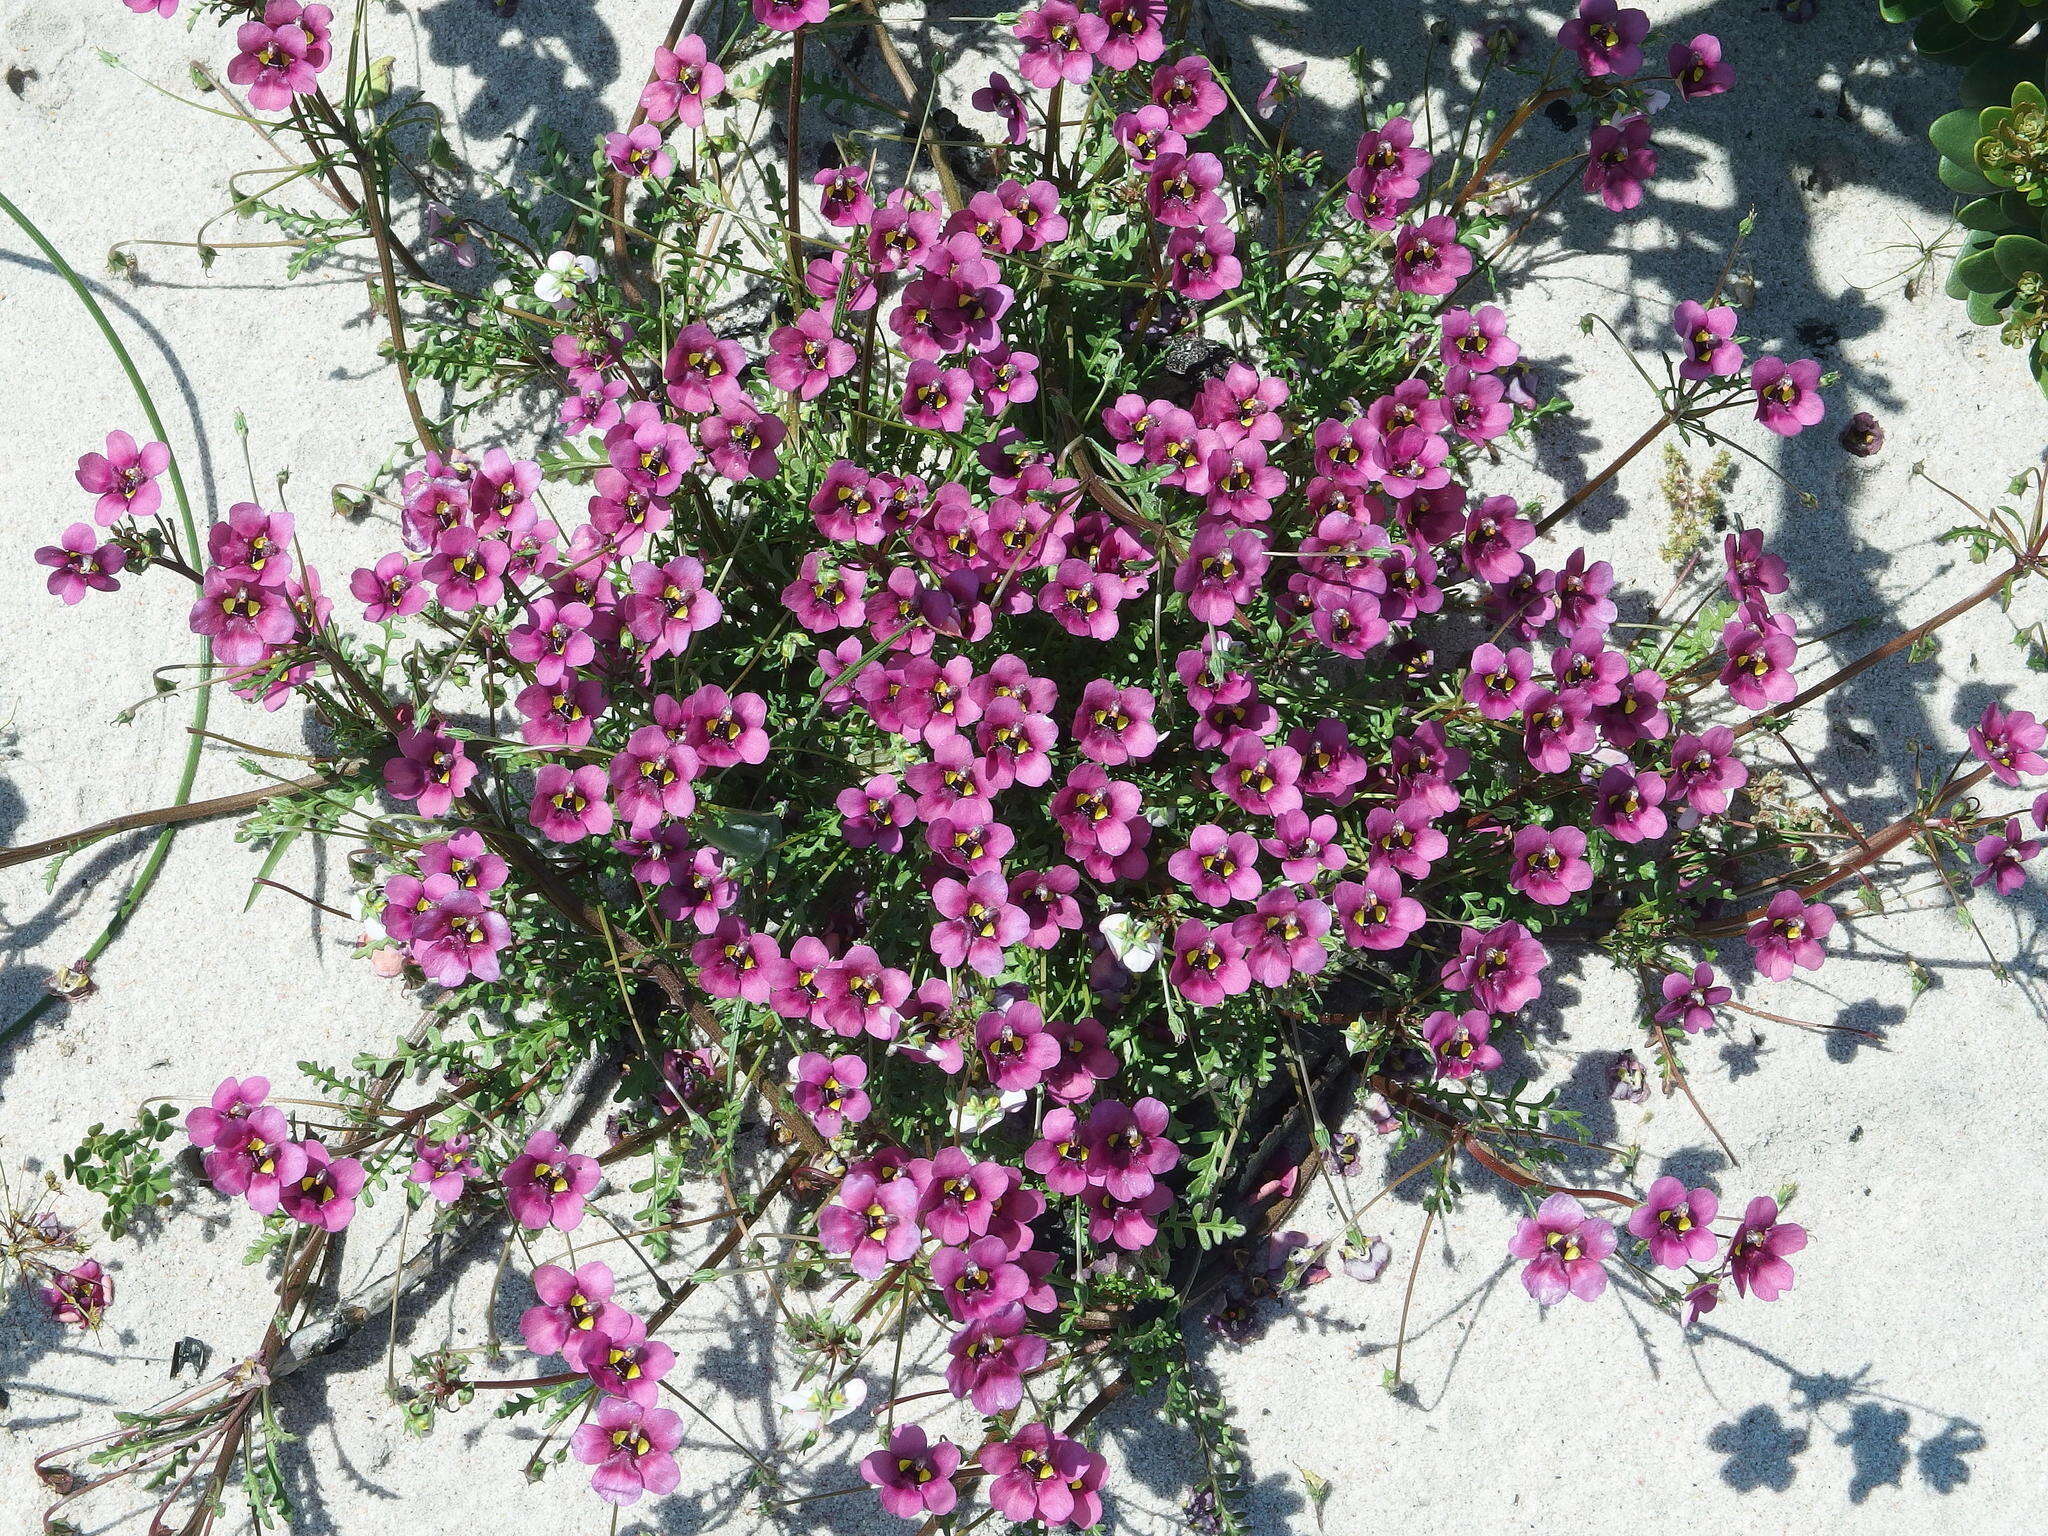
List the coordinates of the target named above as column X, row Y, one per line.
column 1980, row 272
column 1961, row 176
column 1955, row 135
column 1987, row 214
column 2017, row 255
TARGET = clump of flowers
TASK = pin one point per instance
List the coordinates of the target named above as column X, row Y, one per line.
column 1027, row 776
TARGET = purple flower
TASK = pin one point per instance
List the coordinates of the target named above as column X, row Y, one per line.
column 1789, row 934
column 638, row 153
column 571, row 1309
column 1457, row 1043
column 1697, row 68
column 2009, row 741
column 1550, row 864
column 79, row 1296
column 1374, row 913
column 990, row 1356
column 324, row 1193
column 1476, row 339
column 1708, row 336
column 1677, row 1223
column 546, row 1184
column 1757, row 1256
column 627, row 1363
column 1188, row 90
column 124, row 478
column 1016, row 1048
column 981, row 1279
column 873, row 1222
column 1757, row 665
column 1128, row 1150
column 1690, row 999
column 2000, row 856
column 1208, row 964
column 1060, row 43
column 1000, row 97
column 1218, row 867
column 1705, row 770
column 1283, row 937
column 245, row 620
column 1501, row 967
column 829, row 1090
column 805, row 357
column 1428, row 258
column 1130, row 1224
column 1618, row 162
column 1564, row 1246
column 1628, row 805
column 1753, row 573
column 1787, row 394
column 1085, row 1060
column 79, row 563
column 569, row 804
column 977, row 922
column 1181, row 192
column 1607, row 39
column 959, row 1197
column 442, row 1167
column 221, row 1119
column 256, row 1158
column 913, row 1476
column 457, row 938
column 789, row 15
column 633, row 1449
column 1040, row 1474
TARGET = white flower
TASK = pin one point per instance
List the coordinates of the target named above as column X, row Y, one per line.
column 566, row 272
column 808, row 1410
column 978, row 1112
column 1136, row 945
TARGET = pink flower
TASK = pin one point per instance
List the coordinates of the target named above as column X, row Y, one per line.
column 1757, row 1256
column 788, row 15
column 959, row 1198
column 1085, row 1060
column 1208, row 964
column 1677, row 1223
column 82, row 1295
column 255, row 1157
column 221, row 1119
column 936, row 398
column 873, row 1222
column 1040, row 1474
column 1708, row 336
column 124, row 477
column 323, row 1195
column 627, row 1363
column 1705, row 771
column 1787, row 394
column 741, row 443
column 1016, row 1048
column 391, row 589
column 1619, row 161
column 1789, row 934
column 1059, row 1156
column 2009, row 742
column 1606, row 39
column 981, row 1279
column 1697, row 69
column 829, row 1091
column 281, row 55
column 1428, row 258
column 1130, row 1224
column 78, row 564
column 1000, row 97
column 1457, row 1043
column 638, row 153
column 1060, row 43
column 245, row 620
column 1222, row 571
column 805, row 357
column 1261, row 779
column 1374, row 913
column 1181, row 191
column 1690, row 1000
column 978, row 922
column 1502, row 967
column 2000, row 857
column 1628, row 805
column 1564, row 1247
column 1476, row 339
column 1757, row 665
column 571, row 1309
column 1550, row 864
column 442, row 1168
column 633, row 1449
column 546, row 1184
column 684, row 80
column 1127, row 1147
column 913, row 1475
column 1218, row 867
column 569, row 804
column 1187, row 89
column 1283, row 937
column 990, row 1356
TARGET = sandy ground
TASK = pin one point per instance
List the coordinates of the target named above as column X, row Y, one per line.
column 1896, row 1388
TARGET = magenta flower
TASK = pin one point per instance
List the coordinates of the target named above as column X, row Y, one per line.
column 1550, row 864
column 1607, row 39
column 1677, row 1223
column 633, row 1449
column 1218, row 867
column 1618, row 162
column 1373, row 912
column 1187, row 89
column 1000, row 97
column 569, row 804
column 1629, row 805
column 1787, row 394
column 959, row 1197
column 255, row 1157
column 1060, row 43
column 936, row 398
column 913, row 1476
column 1705, row 770
column 857, row 993
column 1697, row 68
column 829, row 1090
column 572, row 1309
column 722, row 729
column 1132, row 1225
column 391, row 589
column 79, row 563
column 978, row 922
column 741, row 443
column 1016, row 1047
column 1283, row 937
column 1564, row 1246
column 1208, row 964
column 124, row 478
column 627, row 1363
column 546, row 1184
column 281, row 55
column 1457, row 1043
column 457, row 938
column 1085, row 1060
column 80, row 1296
column 990, row 1356
column 1428, row 258
column 1757, row 1256
column 1181, row 191
column 1059, row 1156
column 788, row 15
column 1501, row 967
column 1493, row 539
column 684, row 80
column 873, row 1222
column 703, row 371
column 245, row 620
column 2000, row 857
column 2009, row 741
column 1757, row 665
column 1690, row 1000
column 1261, row 779
column 324, row 1193
column 638, row 153
column 1040, row 1474
column 1708, row 336
column 1146, row 134
column 1127, row 1148
column 1789, row 934
column 805, row 357
column 980, row 1280
column 163, row 8
column 442, row 1168
column 222, row 1118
